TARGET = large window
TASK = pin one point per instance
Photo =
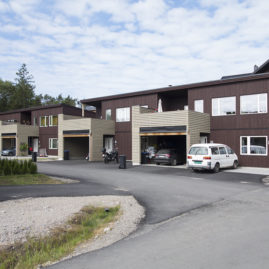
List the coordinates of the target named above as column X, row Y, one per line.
column 53, row 143
column 199, row 106
column 223, row 106
column 44, row 121
column 253, row 145
column 108, row 114
column 53, row 120
column 123, row 114
column 254, row 103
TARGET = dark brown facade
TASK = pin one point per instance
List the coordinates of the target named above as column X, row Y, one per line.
column 228, row 129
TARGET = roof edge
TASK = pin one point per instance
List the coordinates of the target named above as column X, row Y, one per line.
column 179, row 87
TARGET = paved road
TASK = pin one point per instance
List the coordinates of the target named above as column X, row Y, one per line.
column 194, row 220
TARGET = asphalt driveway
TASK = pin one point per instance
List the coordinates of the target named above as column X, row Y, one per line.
column 193, row 220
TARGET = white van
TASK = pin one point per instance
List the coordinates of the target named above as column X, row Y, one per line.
column 211, row 156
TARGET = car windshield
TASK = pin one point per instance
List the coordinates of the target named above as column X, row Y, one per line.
column 198, row 151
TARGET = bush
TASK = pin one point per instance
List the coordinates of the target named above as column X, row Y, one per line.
column 33, row 168
column 15, row 167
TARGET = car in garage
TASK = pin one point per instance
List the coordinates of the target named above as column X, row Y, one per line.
column 9, row 152
column 211, row 157
column 167, row 156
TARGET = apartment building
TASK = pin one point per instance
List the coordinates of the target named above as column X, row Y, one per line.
column 50, row 130
column 232, row 110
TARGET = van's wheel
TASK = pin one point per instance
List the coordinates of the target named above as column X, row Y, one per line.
column 174, row 162
column 216, row 168
column 157, row 163
column 235, row 164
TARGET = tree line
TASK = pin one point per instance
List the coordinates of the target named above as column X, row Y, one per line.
column 21, row 94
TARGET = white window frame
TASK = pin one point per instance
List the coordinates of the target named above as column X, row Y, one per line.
column 127, row 119
column 199, row 100
column 218, row 98
column 51, row 143
column 248, row 145
column 110, row 113
column 51, row 120
column 40, row 121
column 258, row 103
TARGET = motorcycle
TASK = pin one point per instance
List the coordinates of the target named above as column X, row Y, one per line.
column 110, row 156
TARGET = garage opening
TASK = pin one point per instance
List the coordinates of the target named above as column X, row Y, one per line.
column 77, row 144
column 8, row 141
column 172, row 139
column 78, row 147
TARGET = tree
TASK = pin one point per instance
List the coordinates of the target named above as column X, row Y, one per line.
column 24, row 88
column 7, row 95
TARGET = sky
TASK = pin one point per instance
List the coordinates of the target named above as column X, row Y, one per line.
column 92, row 48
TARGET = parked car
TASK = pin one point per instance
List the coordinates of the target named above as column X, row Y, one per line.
column 211, row 157
column 167, row 156
column 9, row 152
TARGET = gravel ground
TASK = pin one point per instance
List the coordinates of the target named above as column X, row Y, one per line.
column 37, row 216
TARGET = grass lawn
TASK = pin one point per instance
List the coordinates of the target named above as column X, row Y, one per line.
column 27, row 179
column 61, row 242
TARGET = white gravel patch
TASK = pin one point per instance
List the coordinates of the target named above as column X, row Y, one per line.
column 37, row 216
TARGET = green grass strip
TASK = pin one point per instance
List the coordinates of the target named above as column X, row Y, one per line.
column 27, row 179
column 61, row 242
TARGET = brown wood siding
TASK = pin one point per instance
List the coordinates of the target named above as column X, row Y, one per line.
column 228, row 129
column 11, row 116
column 123, row 130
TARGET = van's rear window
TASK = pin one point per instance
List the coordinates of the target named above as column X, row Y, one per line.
column 198, row 151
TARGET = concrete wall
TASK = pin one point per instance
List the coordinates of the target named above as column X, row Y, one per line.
column 196, row 123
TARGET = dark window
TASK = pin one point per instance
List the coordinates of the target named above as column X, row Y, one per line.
column 230, row 151
column 215, row 151
column 222, row 150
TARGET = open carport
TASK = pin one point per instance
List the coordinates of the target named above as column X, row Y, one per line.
column 172, row 137
column 77, row 144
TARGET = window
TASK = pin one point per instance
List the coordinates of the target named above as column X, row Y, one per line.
column 199, row 106
column 35, row 121
column 53, row 143
column 223, row 106
column 123, row 114
column 229, row 150
column 44, row 121
column 253, row 145
column 53, row 120
column 254, row 103
column 215, row 151
column 198, row 151
column 108, row 114
column 222, row 151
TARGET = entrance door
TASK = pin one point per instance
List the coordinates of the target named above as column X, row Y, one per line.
column 109, row 144
column 35, row 145
column 203, row 139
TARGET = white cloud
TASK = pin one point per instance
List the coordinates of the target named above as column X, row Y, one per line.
column 139, row 45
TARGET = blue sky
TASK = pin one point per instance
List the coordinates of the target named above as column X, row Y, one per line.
column 90, row 48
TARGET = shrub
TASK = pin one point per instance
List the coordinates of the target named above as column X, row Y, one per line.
column 25, row 167
column 23, row 148
column 33, row 168
column 7, row 169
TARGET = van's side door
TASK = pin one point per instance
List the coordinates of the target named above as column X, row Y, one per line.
column 223, row 157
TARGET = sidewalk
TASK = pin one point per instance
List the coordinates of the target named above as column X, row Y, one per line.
column 249, row 170
column 241, row 169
